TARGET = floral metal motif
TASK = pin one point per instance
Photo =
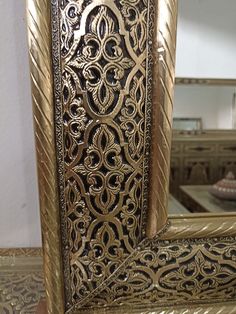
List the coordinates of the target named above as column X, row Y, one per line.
column 101, row 62
column 104, row 169
column 70, row 13
column 103, row 104
column 78, row 215
column 177, row 272
column 132, row 117
column 135, row 13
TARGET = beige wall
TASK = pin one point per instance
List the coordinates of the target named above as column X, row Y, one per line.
column 19, row 215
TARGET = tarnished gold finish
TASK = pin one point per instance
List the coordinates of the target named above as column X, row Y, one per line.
column 20, row 291
column 93, row 144
column 162, row 105
column 39, row 37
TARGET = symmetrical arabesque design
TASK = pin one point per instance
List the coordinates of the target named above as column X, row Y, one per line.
column 174, row 272
column 103, row 53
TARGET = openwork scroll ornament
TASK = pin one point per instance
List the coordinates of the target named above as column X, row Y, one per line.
column 103, row 57
column 176, row 272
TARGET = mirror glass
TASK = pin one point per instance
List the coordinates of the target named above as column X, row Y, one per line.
column 203, row 159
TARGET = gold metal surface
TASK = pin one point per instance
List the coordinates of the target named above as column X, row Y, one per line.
column 221, row 308
column 163, row 53
column 180, row 272
column 39, row 38
column 100, row 95
column 201, row 226
column 113, row 69
column 21, row 288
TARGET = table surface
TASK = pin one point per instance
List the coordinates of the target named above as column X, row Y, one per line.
column 175, row 207
column 201, row 195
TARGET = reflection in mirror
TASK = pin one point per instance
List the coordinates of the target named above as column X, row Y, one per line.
column 203, row 159
column 213, row 105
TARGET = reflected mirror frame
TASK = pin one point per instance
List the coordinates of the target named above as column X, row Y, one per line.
column 155, row 272
column 204, row 81
column 183, row 124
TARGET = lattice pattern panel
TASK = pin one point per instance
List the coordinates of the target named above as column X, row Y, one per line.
column 180, row 272
column 101, row 71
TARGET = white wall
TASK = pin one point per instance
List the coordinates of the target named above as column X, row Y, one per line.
column 206, row 47
column 206, row 39
column 211, row 103
column 19, row 214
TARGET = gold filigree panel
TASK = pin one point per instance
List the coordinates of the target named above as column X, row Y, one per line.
column 174, row 272
column 21, row 280
column 101, row 74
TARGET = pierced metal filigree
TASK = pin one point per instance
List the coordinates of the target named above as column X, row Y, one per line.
column 103, row 53
column 161, row 273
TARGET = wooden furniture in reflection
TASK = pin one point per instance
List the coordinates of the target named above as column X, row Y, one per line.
column 201, row 158
column 198, row 199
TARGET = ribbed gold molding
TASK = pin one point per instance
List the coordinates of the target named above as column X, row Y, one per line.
column 163, row 82
column 39, row 36
column 220, row 308
column 201, row 226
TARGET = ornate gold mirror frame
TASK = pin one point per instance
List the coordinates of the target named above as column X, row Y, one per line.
column 102, row 83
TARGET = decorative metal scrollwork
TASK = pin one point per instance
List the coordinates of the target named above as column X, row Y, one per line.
column 178, row 272
column 100, row 63
column 103, row 52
